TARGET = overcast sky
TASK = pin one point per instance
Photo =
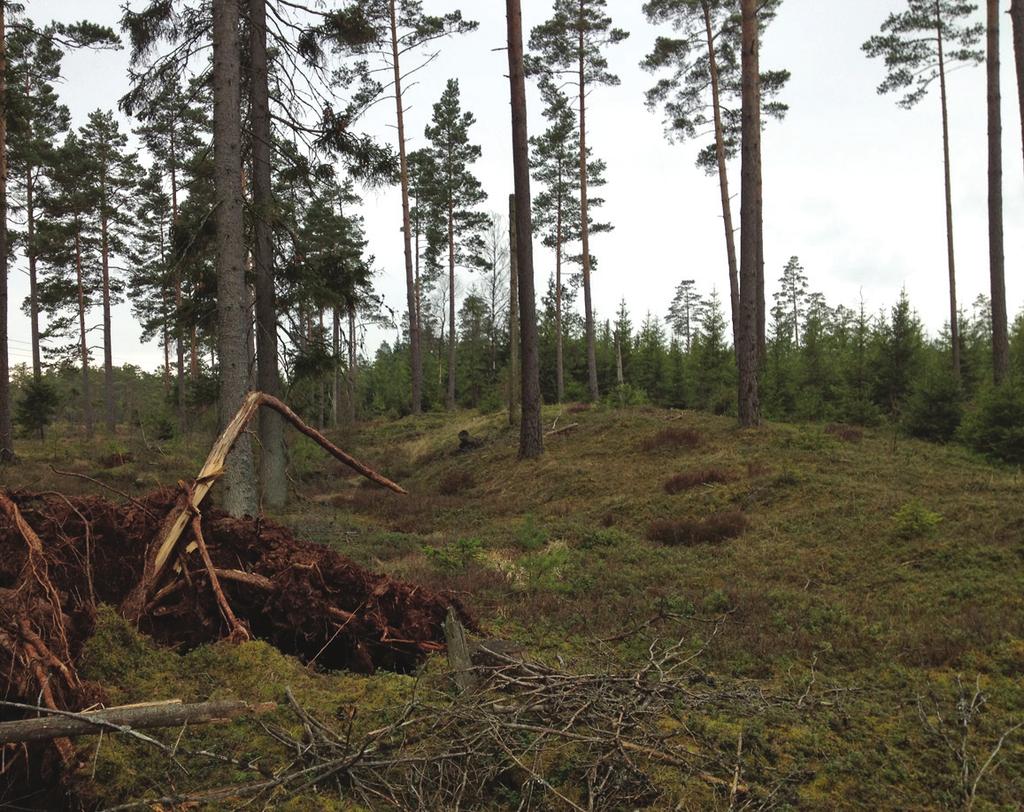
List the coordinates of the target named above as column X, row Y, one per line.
column 852, row 183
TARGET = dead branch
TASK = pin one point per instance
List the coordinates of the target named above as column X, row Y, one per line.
column 122, row 719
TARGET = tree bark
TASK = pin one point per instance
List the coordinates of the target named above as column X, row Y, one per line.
column 273, row 479
column 723, row 176
column 415, row 357
column 33, row 274
column 336, row 383
column 559, row 351
column 353, row 362
column 1017, row 20
column 161, row 714
column 588, row 306
column 954, row 315
column 6, row 427
column 750, row 217
column 1000, row 332
column 232, row 293
column 83, row 337
column 108, row 350
column 513, row 316
column 450, row 399
column 531, row 432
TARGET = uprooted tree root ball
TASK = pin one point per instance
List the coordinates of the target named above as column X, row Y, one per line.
column 61, row 557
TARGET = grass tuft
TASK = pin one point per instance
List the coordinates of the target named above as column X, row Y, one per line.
column 689, row 480
column 673, row 438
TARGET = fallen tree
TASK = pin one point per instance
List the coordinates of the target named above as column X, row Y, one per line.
column 189, row 577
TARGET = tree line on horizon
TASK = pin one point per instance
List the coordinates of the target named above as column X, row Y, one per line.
column 235, row 233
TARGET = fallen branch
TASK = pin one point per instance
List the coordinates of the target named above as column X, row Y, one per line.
column 562, row 430
column 62, row 724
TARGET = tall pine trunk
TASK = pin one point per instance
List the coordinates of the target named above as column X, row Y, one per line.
column 1017, row 20
column 1000, row 332
column 954, row 315
column 415, row 356
column 273, row 480
column 109, row 417
column 588, row 306
column 750, row 217
column 513, row 315
column 239, row 491
column 559, row 350
column 178, row 298
column 33, row 273
column 723, row 174
column 83, row 343
column 353, row 362
column 336, row 367
column 531, row 433
column 450, row 400
column 6, row 428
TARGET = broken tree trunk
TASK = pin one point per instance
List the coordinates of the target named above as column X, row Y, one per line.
column 188, row 503
column 61, row 724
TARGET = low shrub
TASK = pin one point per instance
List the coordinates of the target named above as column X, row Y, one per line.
column 996, row 424
column 673, row 438
column 530, row 536
column 692, row 479
column 913, row 520
column 848, row 434
column 690, row 532
column 455, row 482
column 579, row 408
column 455, row 557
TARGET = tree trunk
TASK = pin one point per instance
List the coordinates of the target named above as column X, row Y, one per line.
column 353, row 362
column 179, row 338
column 33, row 274
column 239, row 496
column 723, row 176
column 954, row 315
column 750, row 216
column 336, row 349
column 1000, row 333
column 108, row 351
column 415, row 358
column 273, row 479
column 585, row 223
column 513, row 315
column 6, row 428
column 450, row 400
column 559, row 352
column 531, row 430
column 1017, row 20
column 83, row 337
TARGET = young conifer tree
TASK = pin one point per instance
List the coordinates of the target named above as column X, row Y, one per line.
column 920, row 46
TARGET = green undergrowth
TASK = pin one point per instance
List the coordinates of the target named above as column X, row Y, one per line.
column 875, row 588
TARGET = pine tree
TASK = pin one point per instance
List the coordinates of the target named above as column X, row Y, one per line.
column 1000, row 330
column 681, row 312
column 1017, row 22
column 704, row 74
column 792, row 295
column 555, row 165
column 572, row 43
column 454, row 194
column 751, row 223
column 920, row 46
column 37, row 125
column 232, row 294
column 531, row 431
column 174, row 124
column 70, row 256
column 115, row 173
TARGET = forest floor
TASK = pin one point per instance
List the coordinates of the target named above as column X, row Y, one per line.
column 839, row 615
